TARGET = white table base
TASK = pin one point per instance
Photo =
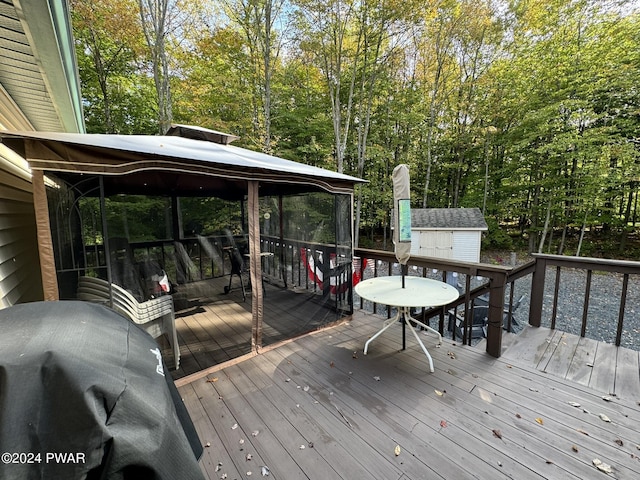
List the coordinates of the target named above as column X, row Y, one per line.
column 405, row 313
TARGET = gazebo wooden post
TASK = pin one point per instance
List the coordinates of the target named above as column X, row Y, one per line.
column 255, row 266
column 45, row 242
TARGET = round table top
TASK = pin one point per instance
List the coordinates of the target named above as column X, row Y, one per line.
column 418, row 291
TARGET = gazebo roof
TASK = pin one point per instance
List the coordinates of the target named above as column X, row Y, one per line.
column 171, row 165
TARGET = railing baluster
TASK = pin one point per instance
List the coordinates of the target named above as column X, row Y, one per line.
column 554, row 312
column 623, row 302
column 468, row 313
column 585, row 309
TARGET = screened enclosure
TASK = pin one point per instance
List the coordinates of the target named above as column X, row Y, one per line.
column 253, row 249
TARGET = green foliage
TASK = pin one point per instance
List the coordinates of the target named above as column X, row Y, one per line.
column 530, row 111
column 496, row 238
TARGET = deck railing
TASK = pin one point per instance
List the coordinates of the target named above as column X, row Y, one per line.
column 541, row 265
column 499, row 283
column 493, row 284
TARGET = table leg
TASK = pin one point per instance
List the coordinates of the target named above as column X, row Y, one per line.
column 406, row 316
column 386, row 325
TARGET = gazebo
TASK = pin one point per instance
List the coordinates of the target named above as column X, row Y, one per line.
column 299, row 215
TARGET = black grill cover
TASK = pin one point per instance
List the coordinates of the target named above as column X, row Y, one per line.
column 83, row 382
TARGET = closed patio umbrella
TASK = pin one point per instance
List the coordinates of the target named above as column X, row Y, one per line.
column 402, row 216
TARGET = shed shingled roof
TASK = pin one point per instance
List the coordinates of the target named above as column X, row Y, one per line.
column 449, row 218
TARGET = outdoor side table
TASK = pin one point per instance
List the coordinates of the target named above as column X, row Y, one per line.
column 418, row 292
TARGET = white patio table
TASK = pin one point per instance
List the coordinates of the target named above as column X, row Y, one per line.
column 418, row 292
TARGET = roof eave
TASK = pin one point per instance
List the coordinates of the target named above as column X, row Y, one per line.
column 47, row 25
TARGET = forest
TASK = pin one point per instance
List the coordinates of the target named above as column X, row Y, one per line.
column 526, row 109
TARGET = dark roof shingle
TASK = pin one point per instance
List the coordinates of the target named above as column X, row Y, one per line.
column 459, row 218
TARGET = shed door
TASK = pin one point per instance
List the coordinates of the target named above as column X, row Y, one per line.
column 466, row 246
column 437, row 243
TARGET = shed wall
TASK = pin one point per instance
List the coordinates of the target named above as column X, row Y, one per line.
column 466, row 245
column 463, row 245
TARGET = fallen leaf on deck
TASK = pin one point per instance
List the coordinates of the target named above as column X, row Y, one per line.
column 376, row 378
column 443, row 423
column 607, row 399
column 518, row 415
column 619, row 442
column 397, row 450
column 533, row 389
column 574, row 404
column 438, row 392
column 589, row 364
column 604, row 418
column 265, row 471
column 497, row 433
column 549, row 462
column 574, row 448
column 332, row 364
column 234, row 426
column 509, row 366
column 287, row 379
column 603, row 467
column 540, row 421
column 583, row 432
column 211, row 380
column 255, row 433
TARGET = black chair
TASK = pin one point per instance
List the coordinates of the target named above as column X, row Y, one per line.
column 237, row 267
column 478, row 324
column 483, row 301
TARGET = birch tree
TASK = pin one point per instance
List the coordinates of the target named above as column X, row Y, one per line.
column 155, row 16
column 259, row 21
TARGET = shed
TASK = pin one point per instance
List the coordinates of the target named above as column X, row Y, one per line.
column 453, row 233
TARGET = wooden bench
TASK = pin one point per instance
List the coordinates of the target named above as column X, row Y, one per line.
column 155, row 316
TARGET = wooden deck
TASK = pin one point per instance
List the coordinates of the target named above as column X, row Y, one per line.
column 214, row 327
column 598, row 365
column 317, row 408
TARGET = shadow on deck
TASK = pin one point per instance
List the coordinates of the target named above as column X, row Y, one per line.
column 316, row 407
column 214, row 327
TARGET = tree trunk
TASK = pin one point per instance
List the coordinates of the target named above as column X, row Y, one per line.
column 153, row 15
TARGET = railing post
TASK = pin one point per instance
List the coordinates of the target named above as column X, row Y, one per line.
column 537, row 292
column 497, row 289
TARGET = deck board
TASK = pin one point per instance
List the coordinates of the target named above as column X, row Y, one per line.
column 351, row 410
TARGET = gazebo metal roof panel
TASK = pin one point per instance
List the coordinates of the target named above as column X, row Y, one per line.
column 140, row 155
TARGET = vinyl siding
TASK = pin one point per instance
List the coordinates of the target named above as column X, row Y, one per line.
column 19, row 265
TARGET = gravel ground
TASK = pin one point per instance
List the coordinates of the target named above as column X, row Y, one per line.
column 604, row 302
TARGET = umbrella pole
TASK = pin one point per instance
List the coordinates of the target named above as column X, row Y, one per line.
column 404, row 319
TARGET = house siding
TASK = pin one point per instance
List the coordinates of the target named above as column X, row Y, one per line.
column 19, row 264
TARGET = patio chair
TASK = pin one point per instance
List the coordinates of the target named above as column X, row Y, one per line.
column 237, row 267
column 478, row 324
column 155, row 316
column 483, row 301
